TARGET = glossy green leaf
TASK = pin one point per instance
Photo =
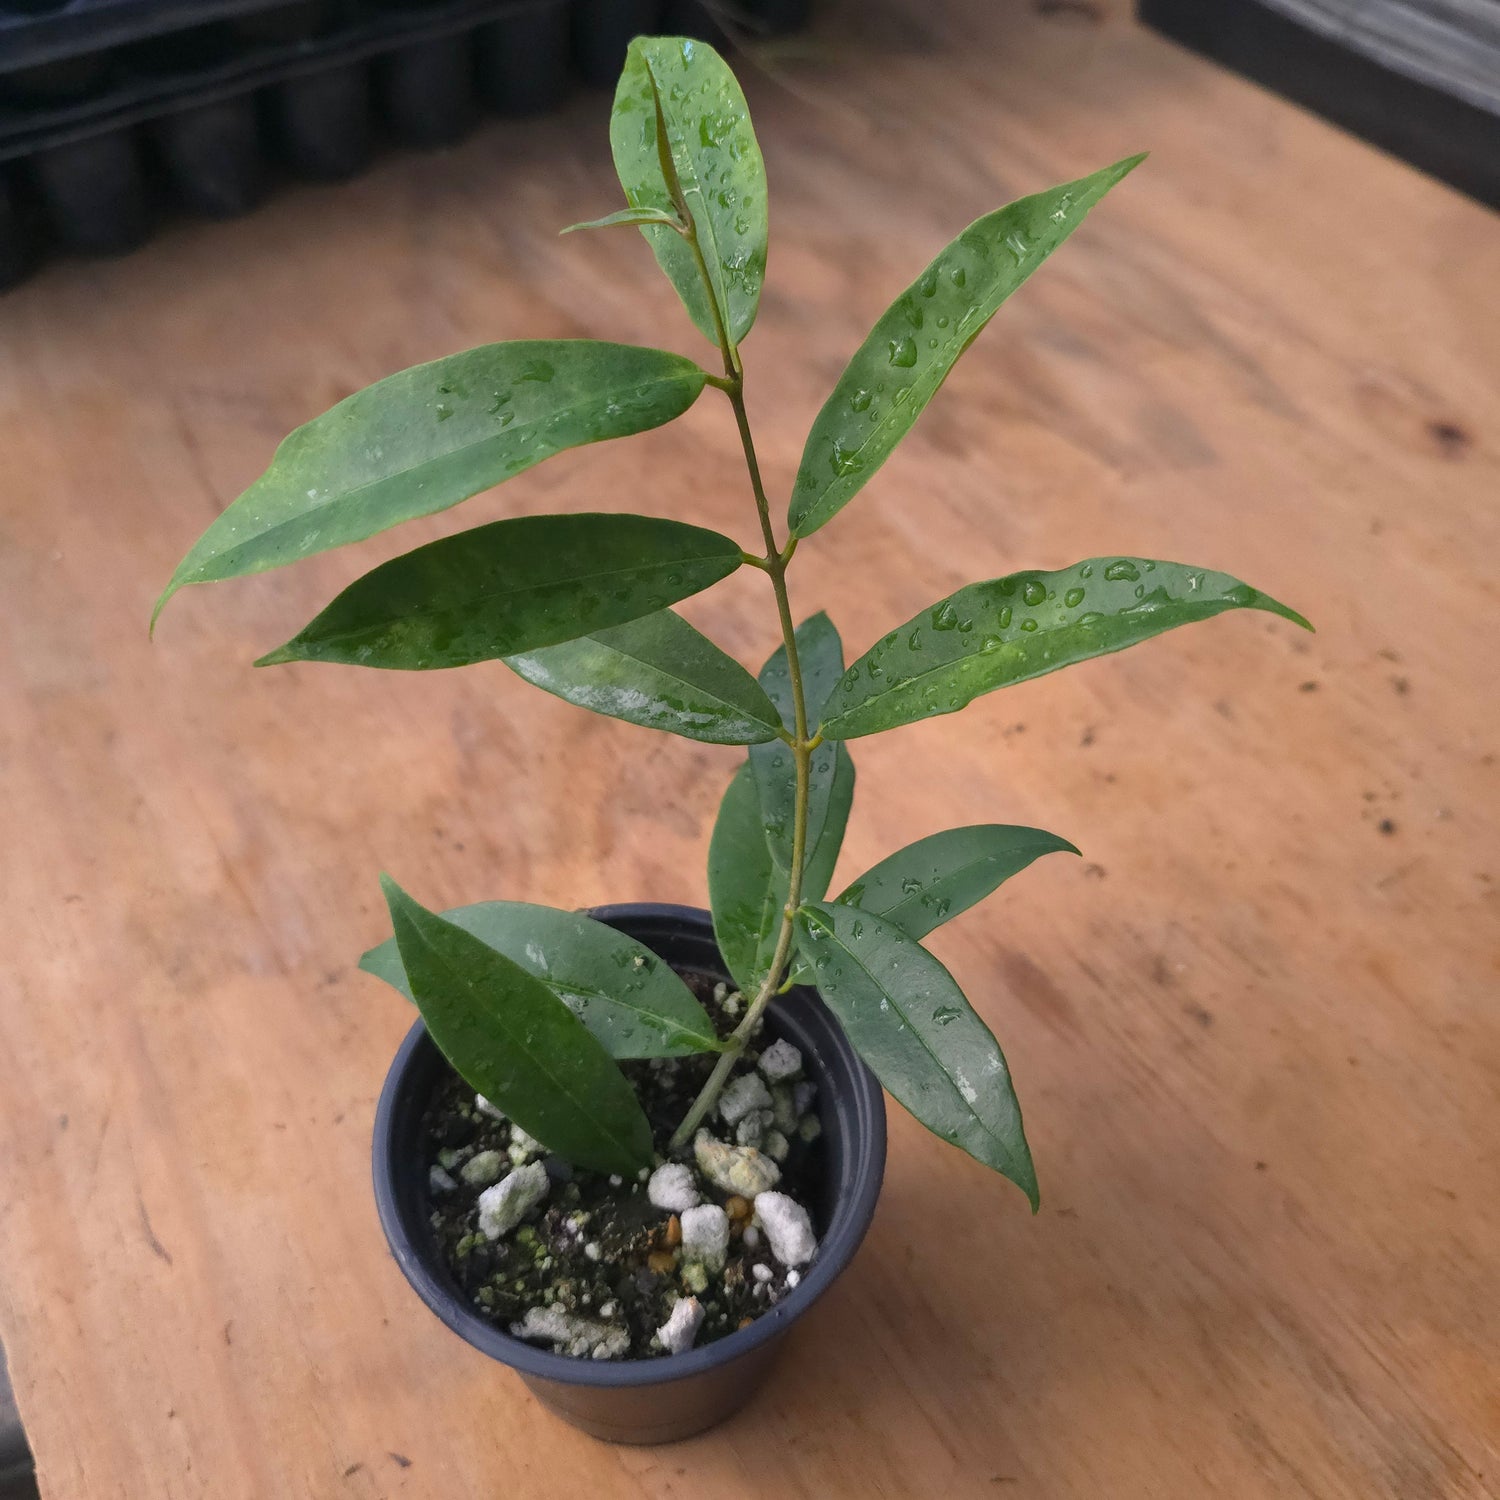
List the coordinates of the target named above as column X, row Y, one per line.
column 925, row 884
column 515, row 1042
column 918, row 339
column 748, row 889
column 628, row 998
column 921, row 886
column 511, row 587
column 717, row 162
column 629, row 216
column 659, row 672
column 821, row 654
column 990, row 635
column 426, row 438
column 911, row 1023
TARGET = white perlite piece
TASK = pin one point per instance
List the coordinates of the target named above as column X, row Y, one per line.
column 776, row 1146
column 438, row 1181
column 527, row 1143
column 571, row 1333
column 705, row 1236
column 682, row 1325
column 735, row 1169
column 503, row 1206
column 742, row 1096
column 803, row 1095
column 484, row 1107
column 671, row 1188
column 483, row 1169
column 780, row 1061
column 752, row 1127
column 789, row 1231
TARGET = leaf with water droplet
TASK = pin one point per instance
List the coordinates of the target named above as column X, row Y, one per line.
column 748, row 890
column 717, row 162
column 658, row 672
column 511, row 587
column 653, row 1014
column 822, row 657
column 961, row 291
column 922, row 1039
column 896, row 682
column 378, row 458
column 919, row 887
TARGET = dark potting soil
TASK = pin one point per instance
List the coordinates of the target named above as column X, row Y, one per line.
column 596, row 1246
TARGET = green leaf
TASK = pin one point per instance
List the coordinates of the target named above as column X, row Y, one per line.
column 659, row 672
column 747, row 889
column 919, row 338
column 422, row 440
column 627, row 997
column 821, row 654
column 511, row 587
column 626, row 216
column 990, row 635
column 925, row 884
column 910, row 1022
column 921, row 886
column 717, row 162
column 515, row 1042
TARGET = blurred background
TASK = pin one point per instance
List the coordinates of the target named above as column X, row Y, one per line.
column 114, row 113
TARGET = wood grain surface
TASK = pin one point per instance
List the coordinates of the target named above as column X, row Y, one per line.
column 1253, row 1028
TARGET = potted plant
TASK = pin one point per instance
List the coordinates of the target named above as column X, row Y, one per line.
column 622, row 1150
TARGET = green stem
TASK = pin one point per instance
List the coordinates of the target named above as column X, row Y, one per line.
column 732, row 383
column 775, row 566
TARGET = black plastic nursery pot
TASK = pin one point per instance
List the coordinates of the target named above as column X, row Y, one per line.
column 649, row 1400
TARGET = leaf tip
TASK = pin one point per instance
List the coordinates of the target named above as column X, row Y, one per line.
column 161, row 603
column 278, row 657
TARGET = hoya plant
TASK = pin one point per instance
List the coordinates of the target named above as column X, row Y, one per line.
column 537, row 1008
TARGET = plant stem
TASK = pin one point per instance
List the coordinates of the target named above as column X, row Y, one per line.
column 732, row 383
column 774, row 563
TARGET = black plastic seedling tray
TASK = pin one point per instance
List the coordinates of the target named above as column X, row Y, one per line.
column 113, row 110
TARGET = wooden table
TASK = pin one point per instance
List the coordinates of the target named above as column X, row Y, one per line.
column 1254, row 1028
